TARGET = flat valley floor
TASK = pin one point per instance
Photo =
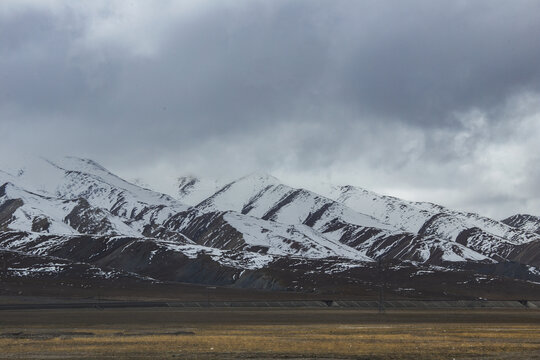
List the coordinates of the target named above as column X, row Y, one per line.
column 246, row 333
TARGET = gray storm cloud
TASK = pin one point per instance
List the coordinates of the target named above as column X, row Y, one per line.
column 429, row 100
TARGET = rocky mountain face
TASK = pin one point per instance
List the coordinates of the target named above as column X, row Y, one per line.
column 74, row 216
column 524, row 222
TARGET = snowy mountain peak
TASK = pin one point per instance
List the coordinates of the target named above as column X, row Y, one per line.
column 77, row 163
column 525, row 222
column 521, row 218
column 259, row 178
column 5, row 188
column 193, row 189
column 185, row 183
column 238, row 193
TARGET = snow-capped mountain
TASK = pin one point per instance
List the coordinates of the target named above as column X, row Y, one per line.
column 251, row 232
column 265, row 197
column 95, row 190
column 378, row 226
column 414, row 216
column 192, row 189
column 81, row 197
column 525, row 222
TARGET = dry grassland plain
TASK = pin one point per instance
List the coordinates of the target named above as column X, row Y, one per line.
column 269, row 334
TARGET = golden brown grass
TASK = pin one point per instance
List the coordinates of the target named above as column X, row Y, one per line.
column 347, row 339
column 406, row 341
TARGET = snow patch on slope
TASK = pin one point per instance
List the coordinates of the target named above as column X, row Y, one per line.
column 234, row 195
column 293, row 240
column 192, row 190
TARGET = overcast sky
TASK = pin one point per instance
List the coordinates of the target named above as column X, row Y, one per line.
column 427, row 100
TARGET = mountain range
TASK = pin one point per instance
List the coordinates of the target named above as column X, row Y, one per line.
column 71, row 218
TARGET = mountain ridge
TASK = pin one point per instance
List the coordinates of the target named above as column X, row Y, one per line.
column 250, row 230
